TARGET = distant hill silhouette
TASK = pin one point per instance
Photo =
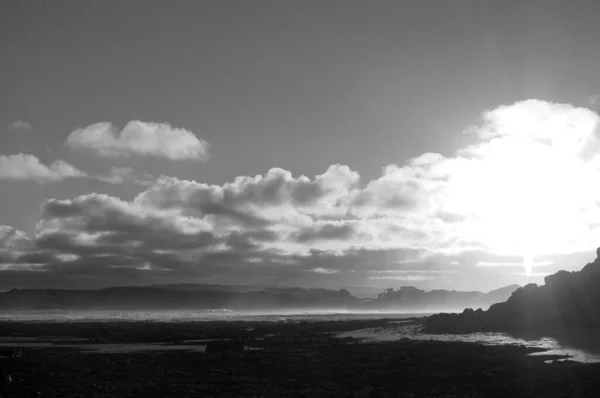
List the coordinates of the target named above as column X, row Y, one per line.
column 213, row 287
column 568, row 300
column 166, row 298
column 409, row 298
column 251, row 298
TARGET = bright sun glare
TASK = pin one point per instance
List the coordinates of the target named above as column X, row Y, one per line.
column 529, row 188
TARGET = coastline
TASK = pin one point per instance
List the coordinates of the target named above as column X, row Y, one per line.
column 292, row 359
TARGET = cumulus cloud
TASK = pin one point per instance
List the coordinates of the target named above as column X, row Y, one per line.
column 28, row 167
column 12, row 238
column 139, row 138
column 524, row 187
column 19, row 125
column 13, row 243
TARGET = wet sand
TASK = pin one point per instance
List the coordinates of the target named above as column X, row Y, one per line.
column 301, row 359
column 549, row 345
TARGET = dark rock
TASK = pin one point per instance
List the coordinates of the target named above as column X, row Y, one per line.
column 5, row 380
column 224, row 346
column 567, row 300
column 11, row 353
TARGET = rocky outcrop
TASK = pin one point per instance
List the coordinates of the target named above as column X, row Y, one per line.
column 11, row 353
column 566, row 300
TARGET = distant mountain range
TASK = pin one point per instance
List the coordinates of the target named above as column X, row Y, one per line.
column 240, row 298
column 409, row 298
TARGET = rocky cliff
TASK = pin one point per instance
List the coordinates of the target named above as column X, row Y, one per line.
column 567, row 300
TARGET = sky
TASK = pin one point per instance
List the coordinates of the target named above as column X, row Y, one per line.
column 317, row 144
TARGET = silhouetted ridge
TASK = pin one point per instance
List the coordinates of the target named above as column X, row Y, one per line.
column 567, row 300
column 413, row 299
column 177, row 298
column 198, row 297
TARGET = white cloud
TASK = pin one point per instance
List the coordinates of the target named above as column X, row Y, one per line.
column 531, row 274
column 526, row 187
column 414, row 278
column 28, row 167
column 122, row 175
column 512, row 264
column 325, row 271
column 19, row 125
column 12, row 238
column 140, row 138
column 415, row 271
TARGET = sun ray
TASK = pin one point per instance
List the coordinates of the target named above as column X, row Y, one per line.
column 528, row 263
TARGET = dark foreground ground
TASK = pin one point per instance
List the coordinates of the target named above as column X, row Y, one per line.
column 297, row 360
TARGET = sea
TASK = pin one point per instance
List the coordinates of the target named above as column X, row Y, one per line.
column 203, row 315
column 585, row 350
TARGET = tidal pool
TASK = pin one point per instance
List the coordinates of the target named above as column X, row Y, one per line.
column 591, row 354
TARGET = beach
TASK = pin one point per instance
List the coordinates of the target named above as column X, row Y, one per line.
column 293, row 358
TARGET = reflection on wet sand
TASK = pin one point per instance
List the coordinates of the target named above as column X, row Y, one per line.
column 584, row 350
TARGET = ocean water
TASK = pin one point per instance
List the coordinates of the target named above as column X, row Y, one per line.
column 204, row 315
column 583, row 350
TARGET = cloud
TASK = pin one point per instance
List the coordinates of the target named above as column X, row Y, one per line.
column 531, row 274
column 122, row 175
column 13, row 242
column 324, row 271
column 328, row 231
column 140, row 138
column 413, row 278
column 523, row 187
column 28, row 167
column 12, row 238
column 512, row 264
column 19, row 125
column 104, row 224
column 25, row 167
column 415, row 271
column 276, row 197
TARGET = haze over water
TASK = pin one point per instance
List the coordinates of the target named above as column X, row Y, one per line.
column 206, row 315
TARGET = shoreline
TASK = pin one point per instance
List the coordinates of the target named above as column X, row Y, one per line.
column 295, row 359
